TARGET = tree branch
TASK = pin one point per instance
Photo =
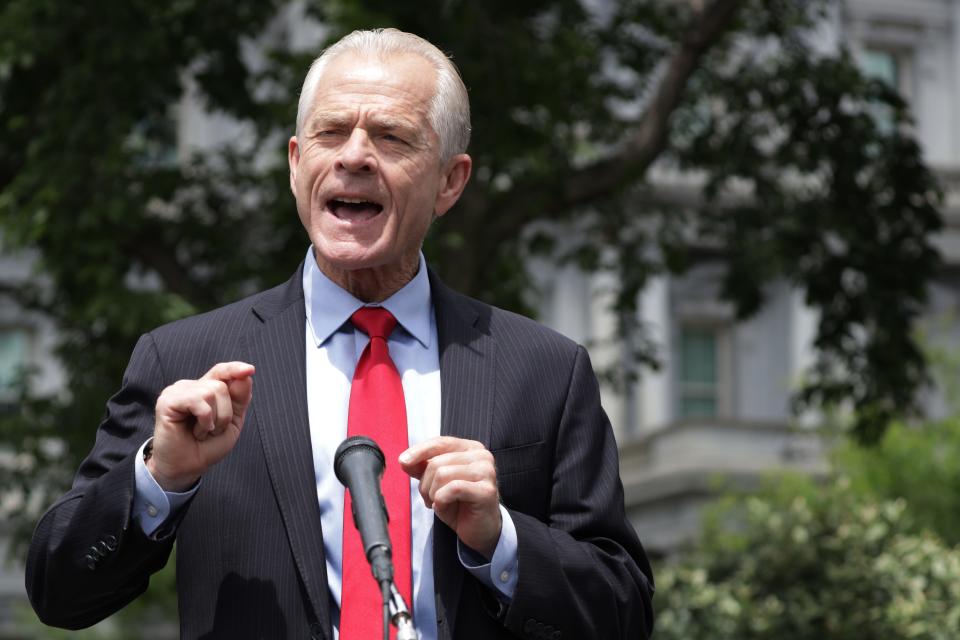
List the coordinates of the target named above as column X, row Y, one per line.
column 649, row 139
column 526, row 202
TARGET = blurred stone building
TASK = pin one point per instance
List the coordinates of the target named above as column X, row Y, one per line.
column 720, row 404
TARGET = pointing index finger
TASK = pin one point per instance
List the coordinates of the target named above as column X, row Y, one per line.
column 414, row 459
column 227, row 371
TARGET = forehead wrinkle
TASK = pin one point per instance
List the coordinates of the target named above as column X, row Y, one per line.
column 362, row 89
column 341, row 103
column 367, row 92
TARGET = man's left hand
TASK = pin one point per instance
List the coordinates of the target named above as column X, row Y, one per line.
column 458, row 480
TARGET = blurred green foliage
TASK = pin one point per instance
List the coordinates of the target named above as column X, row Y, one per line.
column 918, row 463
column 873, row 551
column 803, row 561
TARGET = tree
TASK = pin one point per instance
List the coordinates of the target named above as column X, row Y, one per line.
column 810, row 562
column 571, row 108
column 918, row 463
column 124, row 238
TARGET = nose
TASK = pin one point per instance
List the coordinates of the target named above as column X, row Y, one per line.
column 357, row 153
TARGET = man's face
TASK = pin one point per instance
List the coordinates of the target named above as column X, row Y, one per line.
column 366, row 170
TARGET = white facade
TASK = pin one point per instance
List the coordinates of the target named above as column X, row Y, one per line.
column 671, row 460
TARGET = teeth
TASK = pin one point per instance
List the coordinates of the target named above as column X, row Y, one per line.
column 353, row 200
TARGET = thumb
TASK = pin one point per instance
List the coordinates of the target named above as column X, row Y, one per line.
column 241, row 392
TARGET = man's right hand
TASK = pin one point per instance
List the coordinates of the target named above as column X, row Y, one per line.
column 198, row 423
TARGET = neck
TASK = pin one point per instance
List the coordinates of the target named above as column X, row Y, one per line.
column 375, row 284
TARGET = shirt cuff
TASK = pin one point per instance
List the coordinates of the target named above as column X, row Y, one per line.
column 500, row 573
column 152, row 506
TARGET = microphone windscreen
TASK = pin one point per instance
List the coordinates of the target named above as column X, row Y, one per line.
column 357, row 446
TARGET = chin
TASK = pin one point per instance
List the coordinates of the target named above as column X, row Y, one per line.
column 347, row 258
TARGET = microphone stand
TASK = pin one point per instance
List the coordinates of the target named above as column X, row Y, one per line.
column 396, row 610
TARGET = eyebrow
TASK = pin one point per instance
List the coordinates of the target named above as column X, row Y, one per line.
column 377, row 121
column 386, row 121
column 330, row 118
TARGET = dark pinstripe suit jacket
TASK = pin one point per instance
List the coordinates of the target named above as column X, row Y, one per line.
column 250, row 559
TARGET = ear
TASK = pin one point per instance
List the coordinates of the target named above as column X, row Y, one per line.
column 293, row 159
column 456, row 174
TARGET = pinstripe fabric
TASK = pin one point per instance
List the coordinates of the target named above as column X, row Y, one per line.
column 531, row 397
column 466, row 398
column 284, row 431
column 250, row 555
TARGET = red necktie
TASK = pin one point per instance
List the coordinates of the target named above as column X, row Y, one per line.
column 378, row 411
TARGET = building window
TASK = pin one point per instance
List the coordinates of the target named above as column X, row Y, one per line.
column 14, row 352
column 889, row 67
column 881, row 65
column 699, row 384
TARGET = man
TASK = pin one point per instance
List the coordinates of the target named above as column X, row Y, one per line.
column 514, row 525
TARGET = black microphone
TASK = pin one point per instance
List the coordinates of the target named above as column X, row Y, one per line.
column 358, row 464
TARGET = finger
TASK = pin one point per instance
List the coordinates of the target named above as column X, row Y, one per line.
column 461, row 491
column 447, row 464
column 226, row 371
column 181, row 403
column 214, row 393
column 472, row 474
column 241, row 392
column 413, row 458
column 220, row 397
column 205, row 415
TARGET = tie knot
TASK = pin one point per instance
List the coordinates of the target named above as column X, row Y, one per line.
column 376, row 322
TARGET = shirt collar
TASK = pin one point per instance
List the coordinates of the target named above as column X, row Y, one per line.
column 329, row 306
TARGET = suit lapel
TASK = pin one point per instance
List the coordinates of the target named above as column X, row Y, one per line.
column 277, row 349
column 467, row 383
column 466, row 368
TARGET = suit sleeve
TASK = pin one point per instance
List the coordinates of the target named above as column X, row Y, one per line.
column 583, row 573
column 88, row 557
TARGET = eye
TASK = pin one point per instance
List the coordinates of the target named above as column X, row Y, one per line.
column 392, row 137
column 328, row 130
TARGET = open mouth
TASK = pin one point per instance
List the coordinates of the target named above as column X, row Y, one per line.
column 354, row 209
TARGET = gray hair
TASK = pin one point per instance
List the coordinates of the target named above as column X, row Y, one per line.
column 450, row 108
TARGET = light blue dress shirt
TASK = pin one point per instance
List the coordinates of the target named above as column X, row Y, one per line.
column 333, row 347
